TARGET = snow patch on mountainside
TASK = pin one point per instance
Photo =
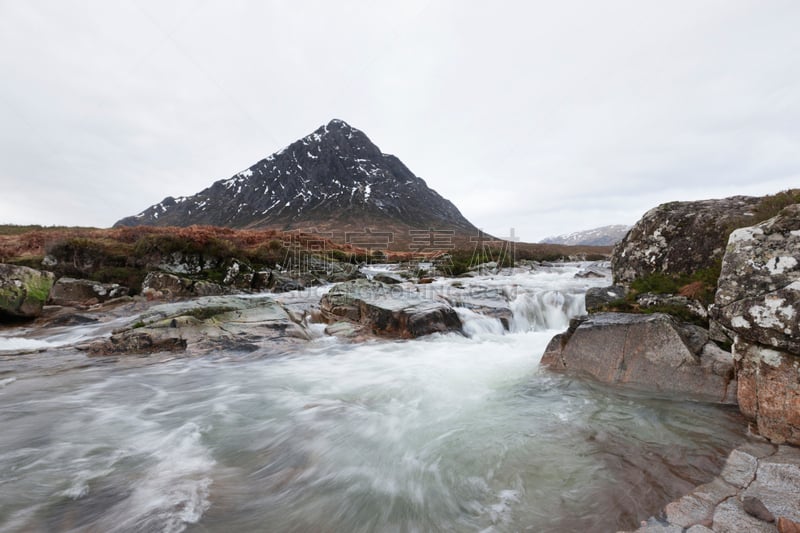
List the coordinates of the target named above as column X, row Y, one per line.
column 602, row 236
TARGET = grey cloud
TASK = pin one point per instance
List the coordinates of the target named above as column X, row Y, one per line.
column 547, row 117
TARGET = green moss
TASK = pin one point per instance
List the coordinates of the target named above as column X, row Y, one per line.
column 39, row 288
column 705, row 281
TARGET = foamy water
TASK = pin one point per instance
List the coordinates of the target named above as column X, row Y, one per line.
column 445, row 433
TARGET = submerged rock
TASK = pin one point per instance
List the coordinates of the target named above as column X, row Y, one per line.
column 652, row 352
column 388, row 310
column 758, row 304
column 23, row 291
column 206, row 324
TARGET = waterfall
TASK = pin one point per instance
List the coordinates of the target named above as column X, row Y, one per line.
column 477, row 325
column 545, row 310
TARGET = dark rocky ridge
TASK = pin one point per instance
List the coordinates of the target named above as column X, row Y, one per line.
column 332, row 179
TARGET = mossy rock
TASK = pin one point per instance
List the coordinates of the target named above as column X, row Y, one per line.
column 23, row 291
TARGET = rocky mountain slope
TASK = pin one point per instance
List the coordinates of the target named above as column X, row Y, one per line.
column 334, row 179
column 602, row 236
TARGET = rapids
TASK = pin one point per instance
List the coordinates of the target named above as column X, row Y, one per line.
column 444, row 433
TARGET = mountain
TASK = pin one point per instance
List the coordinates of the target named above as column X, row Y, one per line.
column 604, row 236
column 334, row 179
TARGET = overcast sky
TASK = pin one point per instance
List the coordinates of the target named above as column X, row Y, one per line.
column 547, row 117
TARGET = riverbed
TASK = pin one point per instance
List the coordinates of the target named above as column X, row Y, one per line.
column 445, row 433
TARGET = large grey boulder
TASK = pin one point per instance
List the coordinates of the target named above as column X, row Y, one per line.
column 680, row 237
column 758, row 303
column 70, row 291
column 758, row 294
column 389, row 310
column 23, row 291
column 651, row 352
column 206, row 324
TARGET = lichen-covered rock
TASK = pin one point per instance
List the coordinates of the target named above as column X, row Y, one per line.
column 389, row 310
column 70, row 291
column 758, row 295
column 175, row 286
column 758, row 303
column 23, row 291
column 652, row 352
column 206, row 324
column 239, row 275
column 679, row 237
column 185, row 263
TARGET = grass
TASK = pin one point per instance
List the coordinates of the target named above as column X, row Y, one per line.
column 699, row 285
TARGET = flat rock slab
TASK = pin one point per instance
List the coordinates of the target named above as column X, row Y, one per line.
column 757, row 491
column 205, row 324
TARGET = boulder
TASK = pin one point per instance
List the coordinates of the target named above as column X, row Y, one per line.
column 282, row 283
column 758, row 294
column 204, row 325
column 758, row 304
column 679, row 237
column 175, row 286
column 70, row 291
column 239, row 275
column 23, row 291
column 387, row 278
column 387, row 310
column 599, row 297
column 590, row 273
column 648, row 351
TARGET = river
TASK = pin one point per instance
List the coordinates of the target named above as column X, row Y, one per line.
column 443, row 433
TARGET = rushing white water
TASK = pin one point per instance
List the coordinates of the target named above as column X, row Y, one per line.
column 17, row 340
column 445, row 433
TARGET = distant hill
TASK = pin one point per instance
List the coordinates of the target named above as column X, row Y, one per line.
column 334, row 179
column 604, row 236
